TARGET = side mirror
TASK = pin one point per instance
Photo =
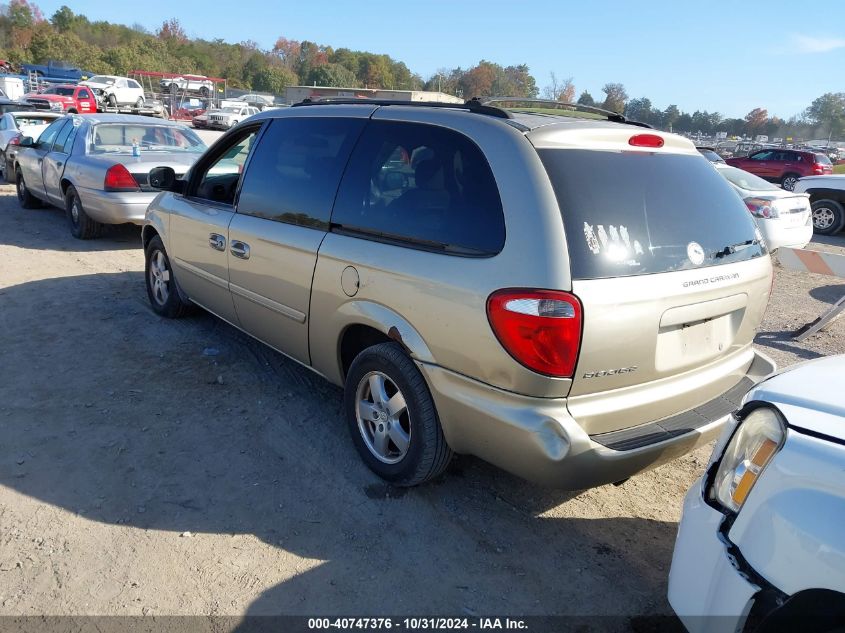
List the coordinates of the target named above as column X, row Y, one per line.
column 27, row 141
column 164, row 178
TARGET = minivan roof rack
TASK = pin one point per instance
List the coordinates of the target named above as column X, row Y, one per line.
column 473, row 105
column 615, row 117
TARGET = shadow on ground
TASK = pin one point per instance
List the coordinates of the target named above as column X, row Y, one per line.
column 126, row 419
column 47, row 228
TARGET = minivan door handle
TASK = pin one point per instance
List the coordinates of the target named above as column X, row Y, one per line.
column 239, row 249
column 217, row 242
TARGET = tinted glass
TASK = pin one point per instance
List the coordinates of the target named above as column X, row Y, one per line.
column 84, row 94
column 422, row 185
column 64, row 91
column 218, row 181
column 65, row 139
column 765, row 155
column 637, row 213
column 821, row 158
column 296, row 169
column 712, row 156
column 49, row 135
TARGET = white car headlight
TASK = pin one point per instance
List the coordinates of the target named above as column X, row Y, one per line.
column 757, row 438
column 55, row 105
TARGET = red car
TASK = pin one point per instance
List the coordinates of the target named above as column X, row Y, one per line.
column 64, row 98
column 783, row 166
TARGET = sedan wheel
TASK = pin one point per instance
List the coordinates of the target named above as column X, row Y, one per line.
column 383, row 418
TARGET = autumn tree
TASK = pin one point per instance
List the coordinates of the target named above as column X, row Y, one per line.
column 171, row 31
column 615, row 97
column 560, row 90
column 755, row 120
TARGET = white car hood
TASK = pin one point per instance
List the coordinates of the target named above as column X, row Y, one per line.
column 92, row 84
column 811, row 395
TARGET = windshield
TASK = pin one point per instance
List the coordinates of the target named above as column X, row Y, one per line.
column 747, row 181
column 33, row 119
column 101, row 79
column 64, row 91
column 712, row 156
column 230, row 109
column 637, row 213
column 119, row 138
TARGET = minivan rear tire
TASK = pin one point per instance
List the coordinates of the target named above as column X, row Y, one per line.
column 828, row 217
column 427, row 454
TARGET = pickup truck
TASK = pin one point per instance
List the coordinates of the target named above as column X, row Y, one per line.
column 57, row 70
column 64, row 98
column 827, row 199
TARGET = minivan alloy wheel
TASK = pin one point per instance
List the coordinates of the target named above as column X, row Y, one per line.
column 383, row 418
column 159, row 278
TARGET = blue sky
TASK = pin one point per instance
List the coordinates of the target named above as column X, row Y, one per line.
column 715, row 55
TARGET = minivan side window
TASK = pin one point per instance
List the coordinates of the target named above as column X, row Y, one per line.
column 217, row 181
column 296, row 169
column 422, row 186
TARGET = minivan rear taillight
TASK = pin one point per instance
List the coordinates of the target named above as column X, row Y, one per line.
column 118, row 178
column 540, row 328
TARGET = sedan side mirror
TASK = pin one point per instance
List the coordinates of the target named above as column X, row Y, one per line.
column 164, row 178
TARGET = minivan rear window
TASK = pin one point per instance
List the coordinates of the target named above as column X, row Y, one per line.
column 639, row 213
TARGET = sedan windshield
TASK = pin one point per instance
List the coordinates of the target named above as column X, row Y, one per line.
column 745, row 180
column 119, row 138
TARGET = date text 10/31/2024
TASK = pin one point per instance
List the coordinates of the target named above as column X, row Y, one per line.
column 418, row 624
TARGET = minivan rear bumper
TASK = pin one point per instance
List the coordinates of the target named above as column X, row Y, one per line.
column 537, row 438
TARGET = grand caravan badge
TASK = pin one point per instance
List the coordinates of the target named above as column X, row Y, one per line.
column 695, row 253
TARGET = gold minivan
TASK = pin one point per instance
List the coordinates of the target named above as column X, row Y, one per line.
column 572, row 299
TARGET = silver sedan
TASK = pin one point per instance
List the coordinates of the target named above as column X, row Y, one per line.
column 96, row 167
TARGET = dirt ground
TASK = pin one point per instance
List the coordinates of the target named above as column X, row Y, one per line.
column 161, row 467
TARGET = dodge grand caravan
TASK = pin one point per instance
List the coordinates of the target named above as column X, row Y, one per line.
column 571, row 299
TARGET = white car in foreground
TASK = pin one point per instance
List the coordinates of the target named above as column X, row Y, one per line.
column 784, row 217
column 761, row 544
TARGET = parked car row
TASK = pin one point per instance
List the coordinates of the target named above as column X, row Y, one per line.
column 383, row 246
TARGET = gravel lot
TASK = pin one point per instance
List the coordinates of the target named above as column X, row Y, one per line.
column 178, row 467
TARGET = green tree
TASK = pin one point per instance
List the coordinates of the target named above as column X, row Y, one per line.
column 63, row 19
column 640, row 110
column 332, row 75
column 828, row 111
column 274, row 80
column 586, row 99
column 670, row 117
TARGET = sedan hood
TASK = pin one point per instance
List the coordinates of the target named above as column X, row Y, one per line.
column 811, row 395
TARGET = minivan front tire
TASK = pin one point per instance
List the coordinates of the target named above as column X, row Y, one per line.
column 392, row 418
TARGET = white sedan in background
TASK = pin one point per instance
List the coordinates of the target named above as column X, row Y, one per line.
column 784, row 217
column 13, row 127
column 761, row 545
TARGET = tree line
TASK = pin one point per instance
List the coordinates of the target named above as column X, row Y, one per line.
column 105, row 48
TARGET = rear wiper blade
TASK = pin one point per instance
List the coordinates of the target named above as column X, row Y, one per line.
column 733, row 248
